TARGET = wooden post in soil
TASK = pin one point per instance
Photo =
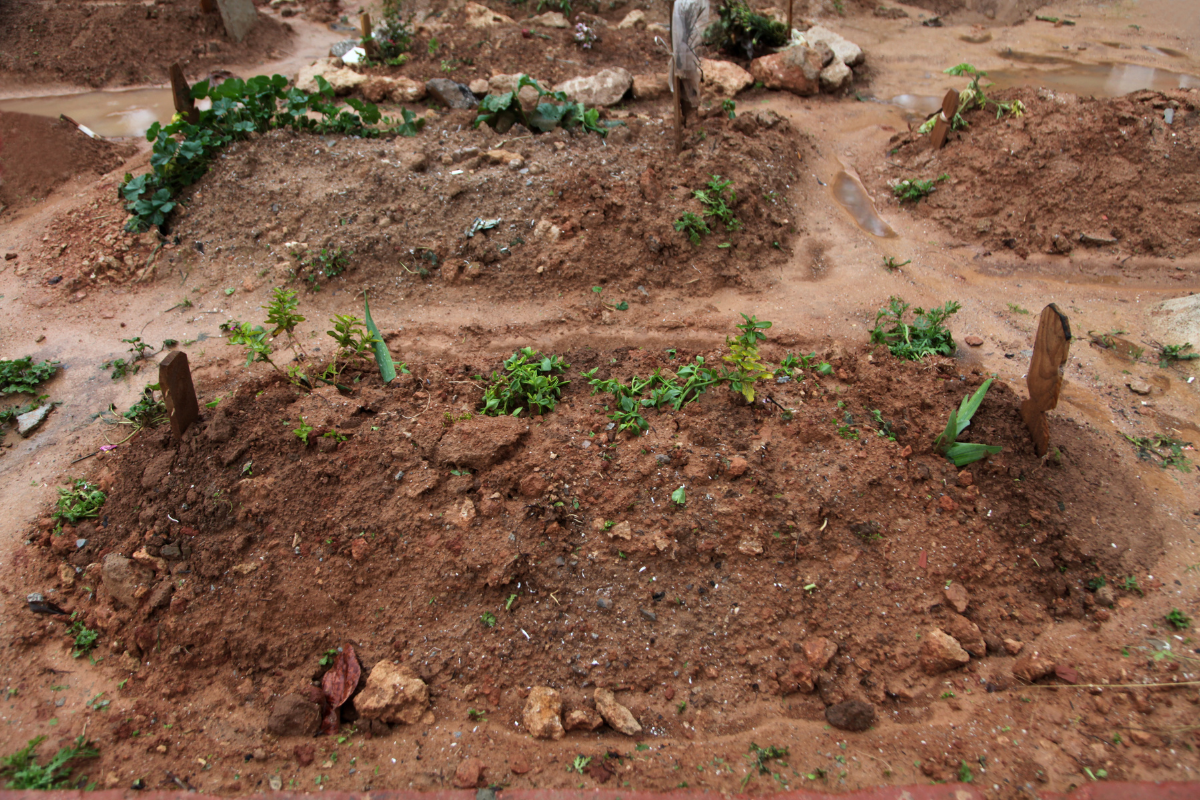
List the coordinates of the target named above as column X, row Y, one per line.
column 181, row 93
column 676, row 102
column 368, row 40
column 790, row 18
column 179, row 394
column 1045, row 377
column 941, row 128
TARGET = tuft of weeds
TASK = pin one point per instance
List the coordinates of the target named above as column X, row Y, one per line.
column 719, row 204
column 1016, row 309
column 302, row 431
column 924, row 336
column 22, row 376
column 913, row 190
column 693, row 226
column 1178, row 620
column 1171, row 353
column 85, row 639
column 24, row 771
column 1150, row 448
column 529, row 381
column 761, row 757
column 82, row 501
column 891, row 264
column 488, row 619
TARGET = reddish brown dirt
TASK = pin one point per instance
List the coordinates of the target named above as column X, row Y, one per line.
column 38, row 154
column 121, row 43
column 792, row 537
column 1037, row 183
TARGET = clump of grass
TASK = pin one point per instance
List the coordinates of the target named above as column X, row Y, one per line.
column 913, row 341
column 963, row 453
column 1170, row 353
column 1178, row 620
column 24, row 771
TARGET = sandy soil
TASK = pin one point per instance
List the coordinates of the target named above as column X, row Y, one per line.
column 707, row 645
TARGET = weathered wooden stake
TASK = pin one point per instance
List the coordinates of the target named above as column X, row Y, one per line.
column 179, row 394
column 790, row 19
column 941, row 128
column 181, row 93
column 1050, row 349
column 368, row 39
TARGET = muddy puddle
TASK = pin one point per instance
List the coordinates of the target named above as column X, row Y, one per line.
column 849, row 193
column 1099, row 80
column 108, row 113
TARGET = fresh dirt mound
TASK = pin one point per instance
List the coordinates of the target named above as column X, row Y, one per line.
column 39, row 153
column 1123, row 181
column 808, row 561
column 581, row 210
column 121, row 43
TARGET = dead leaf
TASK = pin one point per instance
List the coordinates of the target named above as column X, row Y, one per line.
column 338, row 684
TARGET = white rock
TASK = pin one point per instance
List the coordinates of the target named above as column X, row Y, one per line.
column 28, row 422
column 478, row 16
column 843, row 49
column 605, row 88
column 551, row 19
column 634, row 19
column 835, row 76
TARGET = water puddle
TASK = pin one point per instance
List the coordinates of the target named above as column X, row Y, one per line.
column 112, row 113
column 850, row 194
column 1101, row 80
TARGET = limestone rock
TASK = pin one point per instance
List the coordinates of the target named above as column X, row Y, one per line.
column 835, row 77
column 852, row 715
column 1032, row 666
column 551, row 19
column 616, row 715
column 796, row 69
column 605, row 88
column 342, row 80
column 478, row 16
column 294, row 716
column 397, row 90
column 844, row 50
column 723, row 77
column 542, row 713
column 478, row 87
column 646, row 87
column 450, row 94
column 28, row 422
column 393, row 694
column 126, row 580
column 957, row 597
column 583, row 719
column 941, row 653
column 750, row 547
column 634, row 19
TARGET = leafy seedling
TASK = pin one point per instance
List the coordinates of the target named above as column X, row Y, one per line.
column 891, row 265
column 1150, row 448
column 82, row 501
column 912, row 190
column 85, row 639
column 302, row 431
column 529, row 381
column 553, row 110
column 22, row 376
column 488, row 619
column 679, row 497
column 24, row 772
column 1172, row 353
column 743, row 32
column 1178, row 620
column 913, row 341
column 327, row 658
column 962, row 453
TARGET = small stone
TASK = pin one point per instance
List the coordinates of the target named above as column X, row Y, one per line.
column 819, row 651
column 852, row 715
column 604, row 603
column 1032, row 666
column 1138, row 387
column 605, row 88
column 940, row 652
column 634, row 19
column 649, row 615
column 973, row 340
column 478, row 87
column 393, row 694
column 450, row 94
column 750, row 547
column 294, row 716
column 1097, row 240
column 28, row 422
column 956, row 596
column 967, row 634
column 542, row 713
column 583, row 719
column 737, row 467
column 1104, row 596
column 616, row 715
column 469, row 771
column 550, row 19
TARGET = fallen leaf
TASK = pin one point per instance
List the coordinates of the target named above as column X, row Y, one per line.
column 338, row 684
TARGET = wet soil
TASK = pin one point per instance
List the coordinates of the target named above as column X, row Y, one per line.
column 286, row 550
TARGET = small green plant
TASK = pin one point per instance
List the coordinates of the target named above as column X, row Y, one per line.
column 912, row 190
column 729, row 107
column 529, row 381
column 963, row 453
column 488, row 619
column 476, row 715
column 22, row 376
column 82, row 501
column 964, row 773
column 337, row 436
column 579, row 764
column 891, row 265
column 85, row 639
column 1170, row 353
column 24, row 771
column 327, row 657
column 1178, row 620
column 508, row 604
column 924, row 336
column 718, row 198
column 743, row 32
column 975, row 96
column 302, row 431
column 679, row 497
column 1131, row 585
column 1096, row 582
column 281, row 312
column 693, row 226
column 328, row 263
column 1016, row 309
column 351, row 336
column 1150, row 448
column 553, row 110
column 760, row 758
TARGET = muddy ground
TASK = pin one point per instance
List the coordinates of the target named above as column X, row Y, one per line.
column 813, row 559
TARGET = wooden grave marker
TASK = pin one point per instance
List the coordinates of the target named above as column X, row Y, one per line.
column 179, row 394
column 368, row 39
column 181, row 93
column 941, row 128
column 1050, row 351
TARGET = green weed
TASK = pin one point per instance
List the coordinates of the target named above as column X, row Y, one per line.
column 741, row 31
column 529, row 381
column 1150, row 449
column 693, row 226
column 85, row 639
column 912, row 190
column 25, row 772
column 553, row 110
column 1170, row 353
column 891, row 265
column 82, row 501
column 302, row 431
column 963, row 453
column 488, row 619
column 1178, row 620
column 924, row 336
column 22, row 376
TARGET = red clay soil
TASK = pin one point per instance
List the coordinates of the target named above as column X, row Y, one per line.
column 402, row 212
column 122, row 43
column 812, row 563
column 39, row 153
column 1040, row 182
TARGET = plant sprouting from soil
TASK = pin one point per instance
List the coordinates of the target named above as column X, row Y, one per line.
column 962, row 453
column 975, row 96
column 529, row 381
column 964, row 773
column 22, row 376
column 924, row 336
column 85, row 639
column 1170, row 353
column 488, row 619
column 913, row 190
column 148, row 411
column 693, row 226
column 761, row 757
column 679, row 497
column 1178, row 620
column 302, row 431
column 718, row 199
column 748, row 366
column 891, row 264
column 327, row 658
column 729, row 107
column 1152, row 447
column 743, row 32
column 82, row 501
column 394, row 34
column 351, row 336
column 281, row 312
column 553, row 110
column 24, row 772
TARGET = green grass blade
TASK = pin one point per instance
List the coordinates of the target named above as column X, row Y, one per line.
column 970, row 406
column 945, row 439
column 963, row 453
column 382, row 357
